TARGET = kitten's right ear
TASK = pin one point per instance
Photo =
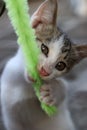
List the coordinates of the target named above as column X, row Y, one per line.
column 45, row 17
column 81, row 51
column 78, row 53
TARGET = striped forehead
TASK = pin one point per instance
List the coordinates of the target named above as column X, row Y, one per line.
column 55, row 47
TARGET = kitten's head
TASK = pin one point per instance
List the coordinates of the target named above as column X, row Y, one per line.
column 58, row 54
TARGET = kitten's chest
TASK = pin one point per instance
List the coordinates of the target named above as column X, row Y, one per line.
column 31, row 111
column 28, row 106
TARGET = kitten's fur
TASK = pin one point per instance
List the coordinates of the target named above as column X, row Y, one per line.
column 20, row 108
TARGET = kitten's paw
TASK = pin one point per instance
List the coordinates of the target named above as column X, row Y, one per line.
column 28, row 78
column 47, row 95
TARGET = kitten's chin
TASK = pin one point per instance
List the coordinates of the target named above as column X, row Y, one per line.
column 47, row 77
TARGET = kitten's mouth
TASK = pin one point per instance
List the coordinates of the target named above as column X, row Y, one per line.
column 43, row 72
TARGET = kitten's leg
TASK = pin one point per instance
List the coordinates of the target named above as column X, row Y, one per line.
column 53, row 92
column 14, row 112
column 16, row 109
column 64, row 119
column 14, row 92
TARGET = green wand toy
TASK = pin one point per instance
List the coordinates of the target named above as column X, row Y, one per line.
column 18, row 13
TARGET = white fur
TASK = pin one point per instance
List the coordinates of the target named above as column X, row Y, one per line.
column 20, row 108
column 49, row 63
column 19, row 104
column 55, row 48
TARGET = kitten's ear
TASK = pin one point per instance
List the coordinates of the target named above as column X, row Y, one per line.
column 45, row 17
column 81, row 51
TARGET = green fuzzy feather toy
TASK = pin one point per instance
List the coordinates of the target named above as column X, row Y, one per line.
column 18, row 13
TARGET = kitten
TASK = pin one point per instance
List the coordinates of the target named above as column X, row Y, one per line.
column 20, row 107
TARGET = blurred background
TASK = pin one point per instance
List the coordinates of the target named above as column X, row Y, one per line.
column 72, row 19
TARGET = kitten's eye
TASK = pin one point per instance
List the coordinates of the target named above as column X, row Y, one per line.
column 44, row 49
column 60, row 66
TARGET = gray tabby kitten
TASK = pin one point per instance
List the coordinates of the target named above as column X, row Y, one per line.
column 20, row 108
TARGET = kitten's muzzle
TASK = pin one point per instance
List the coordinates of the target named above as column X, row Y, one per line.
column 43, row 72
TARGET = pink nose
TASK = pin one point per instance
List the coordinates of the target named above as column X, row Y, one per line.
column 43, row 72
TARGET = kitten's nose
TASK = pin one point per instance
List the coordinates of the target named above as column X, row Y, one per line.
column 43, row 72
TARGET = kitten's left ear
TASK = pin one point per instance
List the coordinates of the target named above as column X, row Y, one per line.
column 44, row 19
column 81, row 51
